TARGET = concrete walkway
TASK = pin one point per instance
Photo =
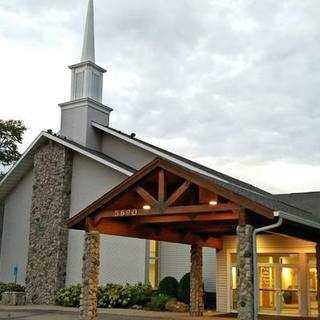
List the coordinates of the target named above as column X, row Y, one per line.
column 60, row 313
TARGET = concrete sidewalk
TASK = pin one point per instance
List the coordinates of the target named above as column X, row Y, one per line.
column 60, row 313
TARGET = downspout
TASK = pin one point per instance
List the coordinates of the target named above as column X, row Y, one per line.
column 255, row 269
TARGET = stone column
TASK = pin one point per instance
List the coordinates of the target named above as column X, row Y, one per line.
column 245, row 273
column 90, row 276
column 196, row 282
column 48, row 235
column 318, row 276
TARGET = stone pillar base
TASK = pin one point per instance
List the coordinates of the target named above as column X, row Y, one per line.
column 90, row 276
column 196, row 283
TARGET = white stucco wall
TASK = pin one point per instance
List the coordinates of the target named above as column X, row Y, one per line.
column 122, row 259
column 15, row 236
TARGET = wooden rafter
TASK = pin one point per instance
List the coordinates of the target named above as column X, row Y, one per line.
column 178, row 193
column 146, row 196
column 161, row 186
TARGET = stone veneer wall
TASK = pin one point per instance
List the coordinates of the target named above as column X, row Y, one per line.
column 48, row 238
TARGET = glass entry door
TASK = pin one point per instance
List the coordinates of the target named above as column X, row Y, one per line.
column 279, row 291
column 289, row 295
column 279, row 284
column 267, row 288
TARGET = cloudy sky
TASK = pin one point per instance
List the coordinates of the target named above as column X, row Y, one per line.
column 234, row 84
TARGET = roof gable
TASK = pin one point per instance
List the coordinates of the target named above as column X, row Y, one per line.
column 110, row 199
column 25, row 163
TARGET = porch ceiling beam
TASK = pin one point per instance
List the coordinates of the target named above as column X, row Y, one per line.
column 117, row 228
column 178, row 193
column 215, row 216
column 193, row 209
column 146, row 196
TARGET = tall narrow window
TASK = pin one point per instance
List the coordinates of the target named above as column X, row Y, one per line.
column 79, row 82
column 96, row 86
column 153, row 263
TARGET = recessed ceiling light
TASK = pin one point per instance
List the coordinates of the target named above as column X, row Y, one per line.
column 213, row 202
column 146, row 207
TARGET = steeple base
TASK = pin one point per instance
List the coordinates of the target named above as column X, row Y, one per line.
column 76, row 118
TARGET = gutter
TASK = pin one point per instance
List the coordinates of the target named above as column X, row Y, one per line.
column 281, row 216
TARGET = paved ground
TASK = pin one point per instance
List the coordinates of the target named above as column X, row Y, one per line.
column 42, row 315
column 60, row 313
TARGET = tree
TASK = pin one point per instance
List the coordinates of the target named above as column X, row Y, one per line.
column 11, row 133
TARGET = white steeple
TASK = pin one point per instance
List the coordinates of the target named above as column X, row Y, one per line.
column 88, row 49
column 86, row 94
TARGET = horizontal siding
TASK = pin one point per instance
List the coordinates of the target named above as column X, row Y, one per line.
column 15, row 235
column 175, row 262
column 122, row 259
column 222, row 281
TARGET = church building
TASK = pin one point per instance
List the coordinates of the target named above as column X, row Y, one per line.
column 150, row 207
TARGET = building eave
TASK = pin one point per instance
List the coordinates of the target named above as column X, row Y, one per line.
column 25, row 163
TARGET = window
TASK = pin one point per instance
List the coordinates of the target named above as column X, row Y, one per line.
column 79, row 81
column 153, row 263
column 96, row 86
column 313, row 286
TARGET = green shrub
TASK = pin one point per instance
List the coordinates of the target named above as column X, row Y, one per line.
column 69, row 296
column 159, row 301
column 10, row 287
column 139, row 294
column 118, row 296
column 169, row 286
column 184, row 289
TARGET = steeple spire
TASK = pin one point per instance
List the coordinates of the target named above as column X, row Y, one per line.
column 85, row 104
column 88, row 50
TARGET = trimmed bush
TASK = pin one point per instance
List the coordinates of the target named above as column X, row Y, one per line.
column 68, row 296
column 118, row 296
column 159, row 301
column 184, row 289
column 10, row 287
column 169, row 286
column 109, row 296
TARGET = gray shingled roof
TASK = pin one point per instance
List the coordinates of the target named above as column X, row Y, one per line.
column 273, row 202
column 309, row 201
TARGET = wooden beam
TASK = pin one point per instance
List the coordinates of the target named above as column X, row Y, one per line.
column 117, row 228
column 146, row 196
column 214, row 187
column 194, row 209
column 178, row 193
column 225, row 216
column 161, row 186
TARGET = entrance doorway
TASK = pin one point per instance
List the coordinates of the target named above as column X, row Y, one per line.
column 279, row 283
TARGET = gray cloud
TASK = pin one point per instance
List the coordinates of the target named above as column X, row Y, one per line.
column 237, row 79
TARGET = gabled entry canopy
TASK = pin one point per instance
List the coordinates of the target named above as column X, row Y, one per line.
column 166, row 202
